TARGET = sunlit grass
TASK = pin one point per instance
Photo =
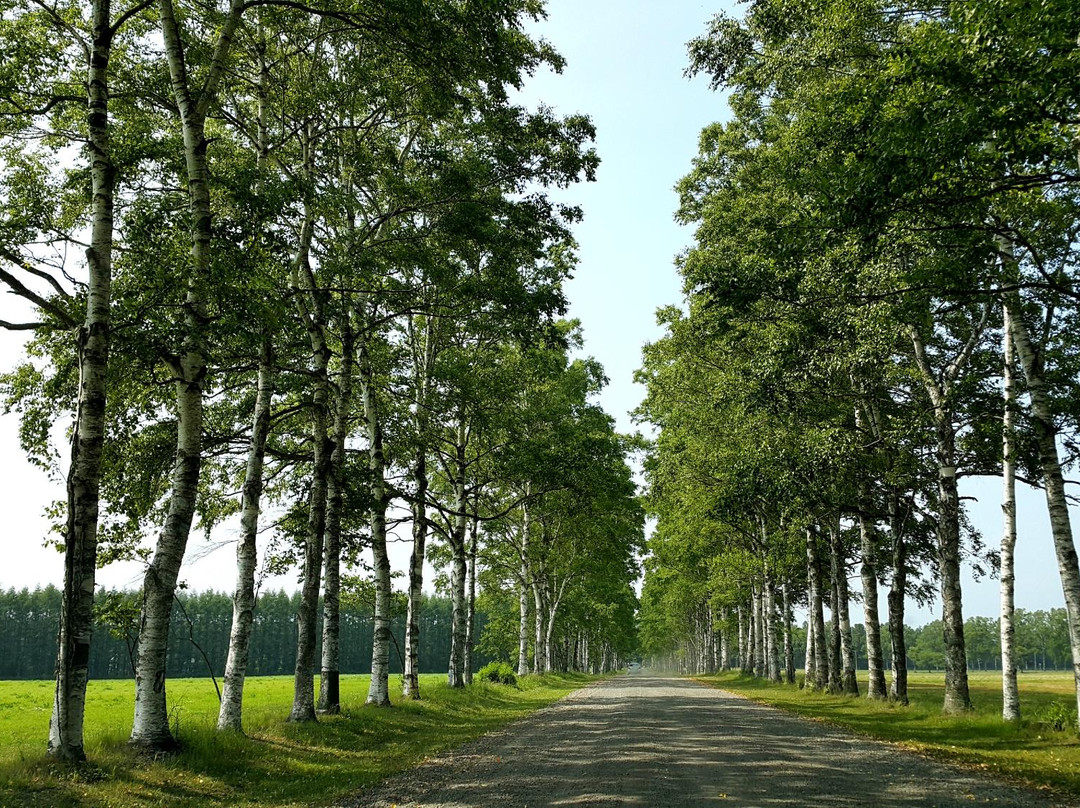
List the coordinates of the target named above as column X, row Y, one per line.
column 275, row 764
column 1031, row 750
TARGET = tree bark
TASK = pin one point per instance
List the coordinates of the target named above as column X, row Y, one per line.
column 819, row 681
column 523, row 597
column 1053, row 480
column 303, row 706
column 458, row 561
column 898, row 689
column 84, row 478
column 876, row 687
column 957, row 697
column 848, row 682
column 789, row 650
column 1010, row 702
column 150, row 727
column 330, row 670
column 379, row 688
column 230, row 716
column 470, row 619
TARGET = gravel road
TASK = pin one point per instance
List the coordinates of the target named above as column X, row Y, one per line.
column 647, row 741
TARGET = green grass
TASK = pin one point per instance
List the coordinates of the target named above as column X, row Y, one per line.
column 1030, row 751
column 275, row 764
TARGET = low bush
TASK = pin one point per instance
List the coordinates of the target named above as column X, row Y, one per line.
column 498, row 672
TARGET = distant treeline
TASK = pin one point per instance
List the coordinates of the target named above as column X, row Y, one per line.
column 1042, row 642
column 202, row 621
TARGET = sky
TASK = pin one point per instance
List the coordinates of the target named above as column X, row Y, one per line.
column 625, row 62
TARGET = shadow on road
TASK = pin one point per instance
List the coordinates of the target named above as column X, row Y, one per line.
column 652, row 741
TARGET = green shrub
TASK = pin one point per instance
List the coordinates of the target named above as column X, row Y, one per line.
column 1059, row 716
column 498, row 672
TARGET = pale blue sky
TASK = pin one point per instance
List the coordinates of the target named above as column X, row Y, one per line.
column 625, row 63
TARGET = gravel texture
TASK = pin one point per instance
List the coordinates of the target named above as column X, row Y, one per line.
column 641, row 740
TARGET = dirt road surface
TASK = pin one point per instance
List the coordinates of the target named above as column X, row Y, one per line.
column 647, row 741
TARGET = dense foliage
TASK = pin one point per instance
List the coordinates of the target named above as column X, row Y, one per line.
column 881, row 298
column 293, row 269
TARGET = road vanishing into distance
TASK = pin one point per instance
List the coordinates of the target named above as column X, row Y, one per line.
column 641, row 740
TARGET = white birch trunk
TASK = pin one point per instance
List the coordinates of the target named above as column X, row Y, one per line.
column 470, row 618
column 303, row 706
column 379, row 688
column 848, row 681
column 84, row 478
column 1053, row 480
column 230, row 715
column 957, row 697
column 150, row 726
column 330, row 669
column 1010, row 702
column 523, row 597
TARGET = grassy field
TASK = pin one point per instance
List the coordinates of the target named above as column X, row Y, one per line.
column 1031, row 751
column 276, row 764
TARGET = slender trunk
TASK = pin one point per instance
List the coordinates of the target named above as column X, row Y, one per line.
column 772, row 648
column 150, row 726
column 303, row 706
column 759, row 633
column 817, row 617
column 539, row 653
column 1056, row 502
column 379, row 688
column 835, row 684
column 876, row 687
column 789, row 650
column 330, row 670
column 848, row 681
column 898, row 688
column 523, row 598
column 230, row 716
column 470, row 620
column 741, row 617
column 957, row 697
column 725, row 649
column 1010, row 707
column 84, row 477
column 411, row 687
column 810, row 674
column 456, row 672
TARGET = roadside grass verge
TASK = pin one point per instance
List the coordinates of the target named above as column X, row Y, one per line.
column 1030, row 751
column 274, row 764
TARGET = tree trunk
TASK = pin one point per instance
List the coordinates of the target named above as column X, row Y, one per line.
column 379, row 688
column 759, row 633
column 303, row 706
column 876, row 687
column 523, row 600
column 330, row 670
column 789, row 650
column 957, row 697
column 817, row 616
column 458, row 561
column 230, row 716
column 744, row 664
column 470, row 619
column 835, row 684
column 84, row 477
column 898, row 688
column 848, row 682
column 411, row 687
column 150, row 727
column 1056, row 502
column 1010, row 707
